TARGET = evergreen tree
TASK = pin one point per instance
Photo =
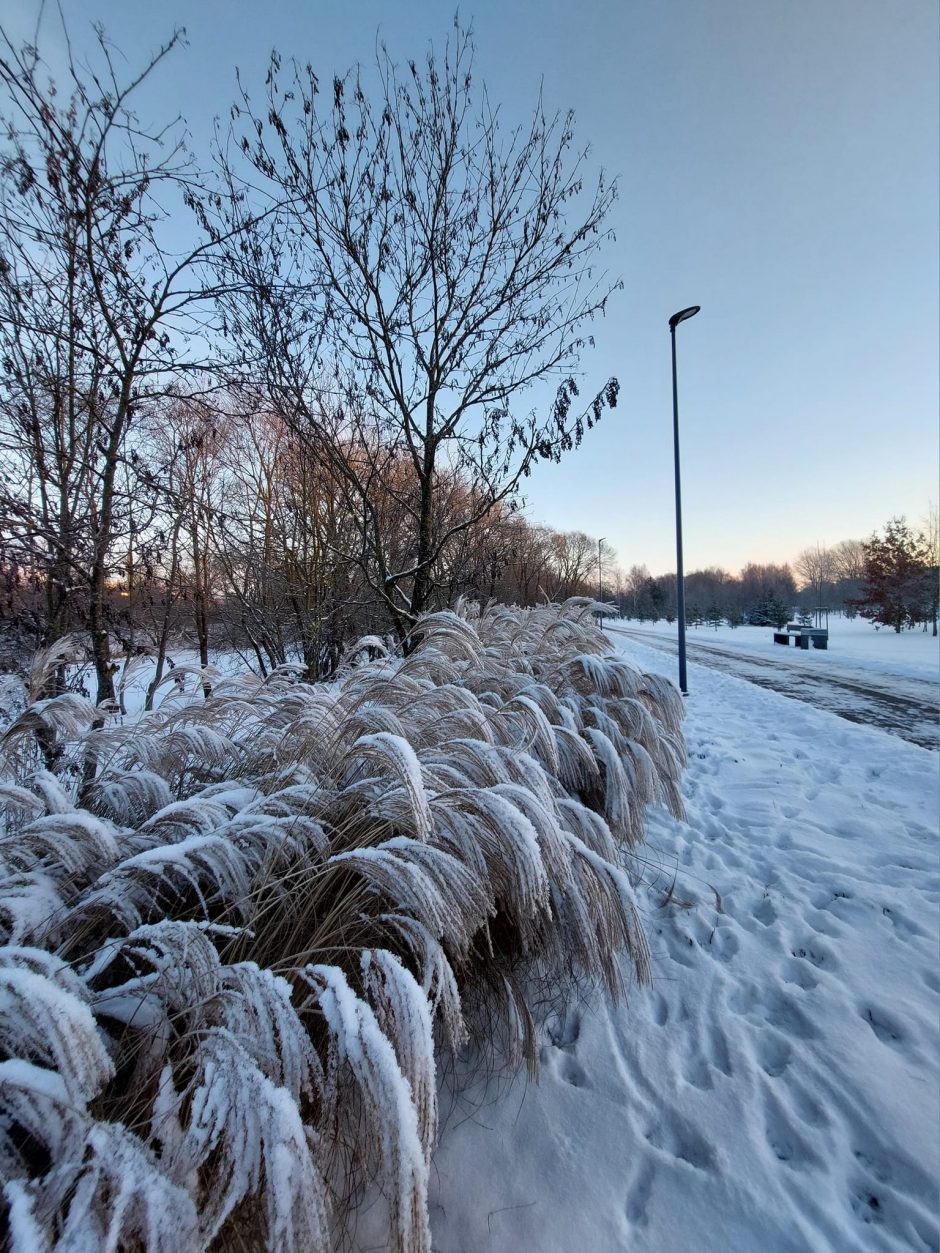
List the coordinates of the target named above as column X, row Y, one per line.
column 898, row 589
column 768, row 610
column 657, row 599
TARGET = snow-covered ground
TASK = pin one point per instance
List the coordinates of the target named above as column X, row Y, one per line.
column 854, row 644
column 777, row 1088
column 876, row 678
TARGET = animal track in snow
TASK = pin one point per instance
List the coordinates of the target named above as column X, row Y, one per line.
column 804, row 1105
column 680, row 1140
column 885, row 1026
column 817, row 954
column 780, row 1010
column 875, row 1200
column 725, row 943
column 893, row 1168
column 904, row 928
column 771, row 1007
column 696, row 1071
column 716, row 1047
column 564, row 1030
column 786, row 1143
column 765, row 913
column 824, row 925
column 795, row 972
column 773, row 1054
column 638, row 1194
column 573, row 1073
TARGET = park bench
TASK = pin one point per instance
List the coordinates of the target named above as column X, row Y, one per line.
column 803, row 635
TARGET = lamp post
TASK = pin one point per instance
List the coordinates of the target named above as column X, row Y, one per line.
column 600, row 585
column 674, row 321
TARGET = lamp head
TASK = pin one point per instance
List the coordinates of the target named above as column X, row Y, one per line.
column 682, row 315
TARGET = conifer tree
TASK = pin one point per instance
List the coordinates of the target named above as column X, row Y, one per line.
column 898, row 589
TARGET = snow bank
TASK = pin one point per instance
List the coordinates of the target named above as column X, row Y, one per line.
column 777, row 1087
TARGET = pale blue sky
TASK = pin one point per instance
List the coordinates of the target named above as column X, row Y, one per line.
column 778, row 164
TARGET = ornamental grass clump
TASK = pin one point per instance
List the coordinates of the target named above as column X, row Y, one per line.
column 238, row 930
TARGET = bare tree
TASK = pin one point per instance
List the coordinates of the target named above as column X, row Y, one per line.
column 94, row 313
column 816, row 567
column 848, row 559
column 416, row 267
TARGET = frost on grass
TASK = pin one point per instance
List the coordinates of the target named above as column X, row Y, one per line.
column 233, row 958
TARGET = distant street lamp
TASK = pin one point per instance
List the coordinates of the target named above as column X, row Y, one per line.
column 600, row 585
column 674, row 321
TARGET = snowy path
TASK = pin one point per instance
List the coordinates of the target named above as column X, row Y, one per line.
column 777, row 1088
column 903, row 705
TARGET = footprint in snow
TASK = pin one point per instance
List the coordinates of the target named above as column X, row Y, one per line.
column 724, row 944
column 765, row 913
column 773, row 1054
column 829, row 897
column 572, row 1073
column 795, row 972
column 638, row 1194
column 781, row 1011
column 660, row 1009
column 680, row 950
column 824, row 925
column 564, row 1030
column 885, row 1026
column 804, row 1105
column 904, row 1221
column 681, row 1140
column 817, row 954
column 772, row 1008
column 786, row 1143
column 904, row 929
column 696, row 1071
column 742, row 998
column 892, row 1168
column 716, row 1050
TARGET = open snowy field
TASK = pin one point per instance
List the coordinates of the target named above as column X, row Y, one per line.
column 854, row 644
column 875, row 678
column 777, row 1087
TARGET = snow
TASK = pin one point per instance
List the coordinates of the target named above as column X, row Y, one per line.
column 854, row 644
column 386, row 1095
column 777, row 1087
column 396, row 752
column 874, row 677
column 41, row 1020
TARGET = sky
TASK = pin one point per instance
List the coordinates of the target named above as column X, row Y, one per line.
column 777, row 165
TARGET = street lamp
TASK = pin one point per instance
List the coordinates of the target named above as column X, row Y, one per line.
column 674, row 321
column 600, row 585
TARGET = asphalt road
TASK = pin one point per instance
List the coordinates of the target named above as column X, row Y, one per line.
column 902, row 706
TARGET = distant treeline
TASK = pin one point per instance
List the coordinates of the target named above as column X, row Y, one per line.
column 890, row 578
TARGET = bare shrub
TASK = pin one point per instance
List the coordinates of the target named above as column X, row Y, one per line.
column 230, row 960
